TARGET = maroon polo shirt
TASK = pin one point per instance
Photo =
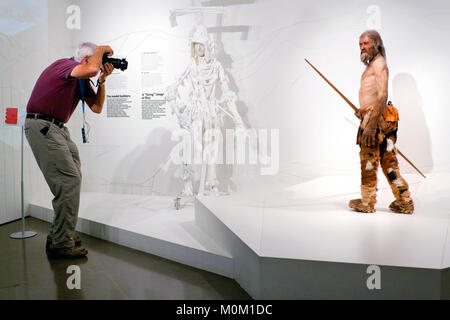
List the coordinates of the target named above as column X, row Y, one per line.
column 56, row 93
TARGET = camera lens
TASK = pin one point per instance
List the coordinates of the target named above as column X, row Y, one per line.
column 121, row 64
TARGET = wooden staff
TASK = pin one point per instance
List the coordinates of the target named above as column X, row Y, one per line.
column 356, row 109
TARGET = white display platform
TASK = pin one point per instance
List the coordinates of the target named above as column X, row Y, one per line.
column 298, row 242
column 290, row 243
column 146, row 223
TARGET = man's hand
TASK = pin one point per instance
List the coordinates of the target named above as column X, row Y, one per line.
column 105, row 49
column 106, row 69
column 368, row 137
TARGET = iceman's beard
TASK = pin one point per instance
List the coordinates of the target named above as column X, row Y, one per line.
column 366, row 57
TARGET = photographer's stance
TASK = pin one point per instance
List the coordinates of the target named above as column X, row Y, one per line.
column 55, row 96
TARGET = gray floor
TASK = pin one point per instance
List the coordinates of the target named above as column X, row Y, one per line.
column 110, row 272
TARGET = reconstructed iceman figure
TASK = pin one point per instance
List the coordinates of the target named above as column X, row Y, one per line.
column 200, row 111
column 377, row 133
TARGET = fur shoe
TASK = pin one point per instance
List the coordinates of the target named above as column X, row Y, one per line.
column 405, row 207
column 357, row 205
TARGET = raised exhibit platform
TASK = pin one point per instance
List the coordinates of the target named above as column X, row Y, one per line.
column 304, row 242
column 146, row 223
column 299, row 243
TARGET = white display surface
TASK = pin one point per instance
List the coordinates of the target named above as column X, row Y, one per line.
column 311, row 221
column 150, row 216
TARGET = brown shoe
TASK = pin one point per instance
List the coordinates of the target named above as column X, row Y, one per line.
column 404, row 207
column 76, row 239
column 66, row 253
column 357, row 205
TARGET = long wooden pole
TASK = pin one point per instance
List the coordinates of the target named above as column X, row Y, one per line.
column 356, row 109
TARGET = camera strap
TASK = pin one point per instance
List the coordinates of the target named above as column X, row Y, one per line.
column 85, row 129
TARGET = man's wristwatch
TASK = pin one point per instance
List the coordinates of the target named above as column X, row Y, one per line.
column 99, row 83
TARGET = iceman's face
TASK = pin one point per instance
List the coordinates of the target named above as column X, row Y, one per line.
column 368, row 50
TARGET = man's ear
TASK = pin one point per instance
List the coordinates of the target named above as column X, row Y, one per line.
column 84, row 60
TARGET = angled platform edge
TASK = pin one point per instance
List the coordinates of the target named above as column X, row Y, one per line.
column 275, row 278
column 182, row 254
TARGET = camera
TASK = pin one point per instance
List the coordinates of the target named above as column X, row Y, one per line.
column 121, row 64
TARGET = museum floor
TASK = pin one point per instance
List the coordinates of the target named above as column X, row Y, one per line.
column 110, row 272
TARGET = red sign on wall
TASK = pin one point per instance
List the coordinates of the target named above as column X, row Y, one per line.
column 11, row 116
column 15, row 116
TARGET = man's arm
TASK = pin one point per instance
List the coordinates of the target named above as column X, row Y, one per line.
column 90, row 69
column 96, row 103
column 381, row 78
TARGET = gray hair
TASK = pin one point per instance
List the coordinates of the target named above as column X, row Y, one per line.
column 377, row 41
column 83, row 50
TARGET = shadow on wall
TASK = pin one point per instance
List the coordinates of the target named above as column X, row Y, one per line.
column 138, row 172
column 413, row 134
column 227, row 63
column 225, row 172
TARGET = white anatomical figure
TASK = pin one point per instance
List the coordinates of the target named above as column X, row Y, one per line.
column 200, row 111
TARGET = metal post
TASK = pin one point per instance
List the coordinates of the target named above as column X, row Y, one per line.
column 24, row 234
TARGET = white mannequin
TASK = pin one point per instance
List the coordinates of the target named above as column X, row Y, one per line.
column 201, row 112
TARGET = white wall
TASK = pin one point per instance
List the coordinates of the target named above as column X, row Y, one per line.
column 275, row 87
column 23, row 54
column 58, row 45
column 124, row 153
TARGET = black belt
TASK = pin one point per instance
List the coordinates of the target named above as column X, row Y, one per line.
column 44, row 117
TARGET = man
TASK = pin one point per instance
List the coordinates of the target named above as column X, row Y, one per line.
column 55, row 96
column 378, row 131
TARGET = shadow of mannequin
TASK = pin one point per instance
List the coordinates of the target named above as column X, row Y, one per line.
column 225, row 171
column 130, row 178
column 413, row 133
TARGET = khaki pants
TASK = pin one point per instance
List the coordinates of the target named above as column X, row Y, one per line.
column 59, row 161
column 383, row 154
